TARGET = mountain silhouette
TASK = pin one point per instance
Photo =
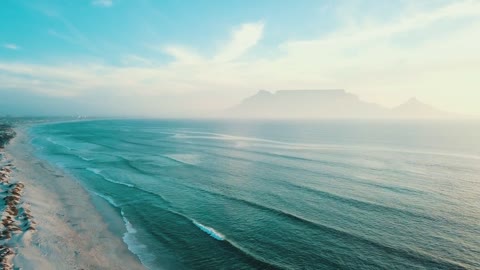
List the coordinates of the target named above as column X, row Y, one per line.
column 334, row 103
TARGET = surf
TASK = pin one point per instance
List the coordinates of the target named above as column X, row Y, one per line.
column 99, row 173
column 209, row 230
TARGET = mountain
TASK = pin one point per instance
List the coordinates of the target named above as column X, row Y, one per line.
column 324, row 104
column 414, row 108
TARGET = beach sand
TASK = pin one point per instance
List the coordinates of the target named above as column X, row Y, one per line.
column 70, row 232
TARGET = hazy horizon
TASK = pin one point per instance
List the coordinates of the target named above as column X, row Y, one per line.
column 196, row 59
column 299, row 104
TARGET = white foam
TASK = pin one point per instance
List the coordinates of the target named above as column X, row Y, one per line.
column 107, row 198
column 56, row 143
column 209, row 230
column 95, row 171
column 129, row 238
column 84, row 158
column 99, row 173
column 134, row 245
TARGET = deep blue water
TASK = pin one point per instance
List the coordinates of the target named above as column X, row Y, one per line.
column 282, row 195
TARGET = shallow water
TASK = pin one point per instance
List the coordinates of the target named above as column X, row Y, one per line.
column 288, row 195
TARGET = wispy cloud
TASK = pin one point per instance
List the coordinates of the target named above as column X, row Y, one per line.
column 70, row 32
column 133, row 60
column 73, row 35
column 102, row 3
column 363, row 58
column 243, row 38
column 183, row 55
column 11, row 46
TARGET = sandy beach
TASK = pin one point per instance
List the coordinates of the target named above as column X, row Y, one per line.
column 64, row 229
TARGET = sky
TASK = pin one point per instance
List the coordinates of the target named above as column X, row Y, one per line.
column 190, row 58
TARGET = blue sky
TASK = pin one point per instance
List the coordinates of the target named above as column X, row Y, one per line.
column 155, row 58
column 109, row 30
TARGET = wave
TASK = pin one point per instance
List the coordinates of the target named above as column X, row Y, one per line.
column 130, row 164
column 266, row 264
column 316, row 146
column 316, row 161
column 258, row 259
column 106, row 198
column 135, row 143
column 323, row 173
column 156, row 195
column 416, row 255
column 99, row 173
column 188, row 159
column 135, row 246
column 352, row 202
column 367, row 182
column 59, row 144
column 362, row 204
column 209, row 230
column 84, row 158
column 327, row 174
column 100, row 144
column 95, row 171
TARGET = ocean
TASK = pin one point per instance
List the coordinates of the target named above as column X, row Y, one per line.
column 198, row 194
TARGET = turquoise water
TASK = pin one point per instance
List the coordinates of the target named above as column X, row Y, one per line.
column 282, row 195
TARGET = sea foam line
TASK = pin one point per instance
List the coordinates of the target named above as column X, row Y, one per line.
column 99, row 173
column 133, row 245
column 209, row 230
column 59, row 144
column 84, row 158
column 106, row 198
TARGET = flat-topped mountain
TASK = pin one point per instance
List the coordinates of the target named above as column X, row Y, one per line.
column 335, row 103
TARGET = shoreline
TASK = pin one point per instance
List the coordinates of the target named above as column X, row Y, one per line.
column 72, row 228
column 17, row 224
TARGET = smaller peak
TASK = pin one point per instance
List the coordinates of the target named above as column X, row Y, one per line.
column 413, row 100
column 263, row 92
